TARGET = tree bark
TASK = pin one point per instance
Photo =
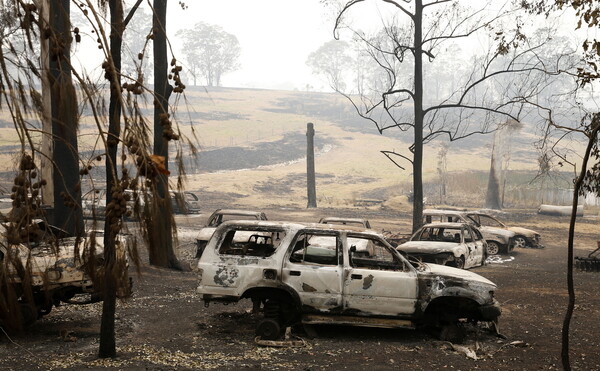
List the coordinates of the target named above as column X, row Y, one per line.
column 161, row 222
column 46, row 166
column 592, row 138
column 492, row 198
column 310, row 166
column 107, row 327
column 418, row 109
column 67, row 213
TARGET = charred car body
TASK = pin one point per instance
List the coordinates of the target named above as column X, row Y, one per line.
column 93, row 202
column 56, row 270
column 455, row 244
column 357, row 222
column 499, row 240
column 314, row 274
column 523, row 237
column 220, row 216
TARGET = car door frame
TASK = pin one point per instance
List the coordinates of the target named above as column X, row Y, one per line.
column 319, row 286
column 378, row 292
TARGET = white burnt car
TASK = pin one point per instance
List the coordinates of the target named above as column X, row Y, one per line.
column 523, row 237
column 58, row 271
column 455, row 244
column 499, row 240
column 220, row 216
column 357, row 222
column 314, row 274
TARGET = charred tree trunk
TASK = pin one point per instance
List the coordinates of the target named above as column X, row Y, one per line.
column 46, row 160
column 418, row 109
column 492, row 198
column 67, row 212
column 579, row 182
column 310, row 166
column 161, row 221
column 107, row 327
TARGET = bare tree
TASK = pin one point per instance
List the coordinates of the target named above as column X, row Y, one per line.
column 67, row 212
column 159, row 215
column 499, row 163
column 587, row 131
column 484, row 97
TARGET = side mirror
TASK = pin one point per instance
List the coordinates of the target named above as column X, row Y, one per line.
column 352, row 249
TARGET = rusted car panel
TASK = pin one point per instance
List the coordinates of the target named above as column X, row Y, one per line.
column 498, row 239
column 296, row 279
column 455, row 244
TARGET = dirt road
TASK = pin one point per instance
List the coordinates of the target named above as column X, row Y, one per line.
column 165, row 326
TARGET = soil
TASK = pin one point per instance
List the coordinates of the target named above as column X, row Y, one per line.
column 165, row 325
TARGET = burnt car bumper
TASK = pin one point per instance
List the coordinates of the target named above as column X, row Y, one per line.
column 490, row 312
column 534, row 242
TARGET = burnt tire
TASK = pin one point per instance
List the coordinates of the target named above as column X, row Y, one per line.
column 520, row 242
column 453, row 332
column 493, row 248
column 459, row 262
column 268, row 329
column 28, row 314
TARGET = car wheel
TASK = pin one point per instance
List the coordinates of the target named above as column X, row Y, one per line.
column 29, row 314
column 268, row 329
column 453, row 332
column 520, row 241
column 459, row 262
column 493, row 248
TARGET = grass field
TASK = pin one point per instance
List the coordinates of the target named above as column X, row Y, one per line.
column 349, row 162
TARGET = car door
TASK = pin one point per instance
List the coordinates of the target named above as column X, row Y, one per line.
column 313, row 268
column 377, row 280
column 481, row 245
column 474, row 251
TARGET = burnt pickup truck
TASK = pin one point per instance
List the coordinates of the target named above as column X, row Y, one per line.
column 315, row 274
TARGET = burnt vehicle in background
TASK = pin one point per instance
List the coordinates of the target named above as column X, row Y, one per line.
column 499, row 240
column 455, row 244
column 54, row 268
column 220, row 216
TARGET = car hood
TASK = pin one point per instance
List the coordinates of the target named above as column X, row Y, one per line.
column 430, row 247
column 523, row 231
column 429, row 270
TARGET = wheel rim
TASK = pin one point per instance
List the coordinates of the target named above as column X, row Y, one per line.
column 460, row 262
column 268, row 329
column 492, row 248
column 520, row 242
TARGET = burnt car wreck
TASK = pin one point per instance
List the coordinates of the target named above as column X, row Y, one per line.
column 325, row 274
column 54, row 269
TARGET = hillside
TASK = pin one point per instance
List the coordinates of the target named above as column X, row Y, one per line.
column 252, row 145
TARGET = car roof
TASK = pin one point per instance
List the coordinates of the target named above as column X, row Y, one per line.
column 237, row 212
column 445, row 225
column 341, row 219
column 443, row 211
column 297, row 226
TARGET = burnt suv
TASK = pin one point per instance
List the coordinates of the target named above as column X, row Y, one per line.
column 318, row 273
